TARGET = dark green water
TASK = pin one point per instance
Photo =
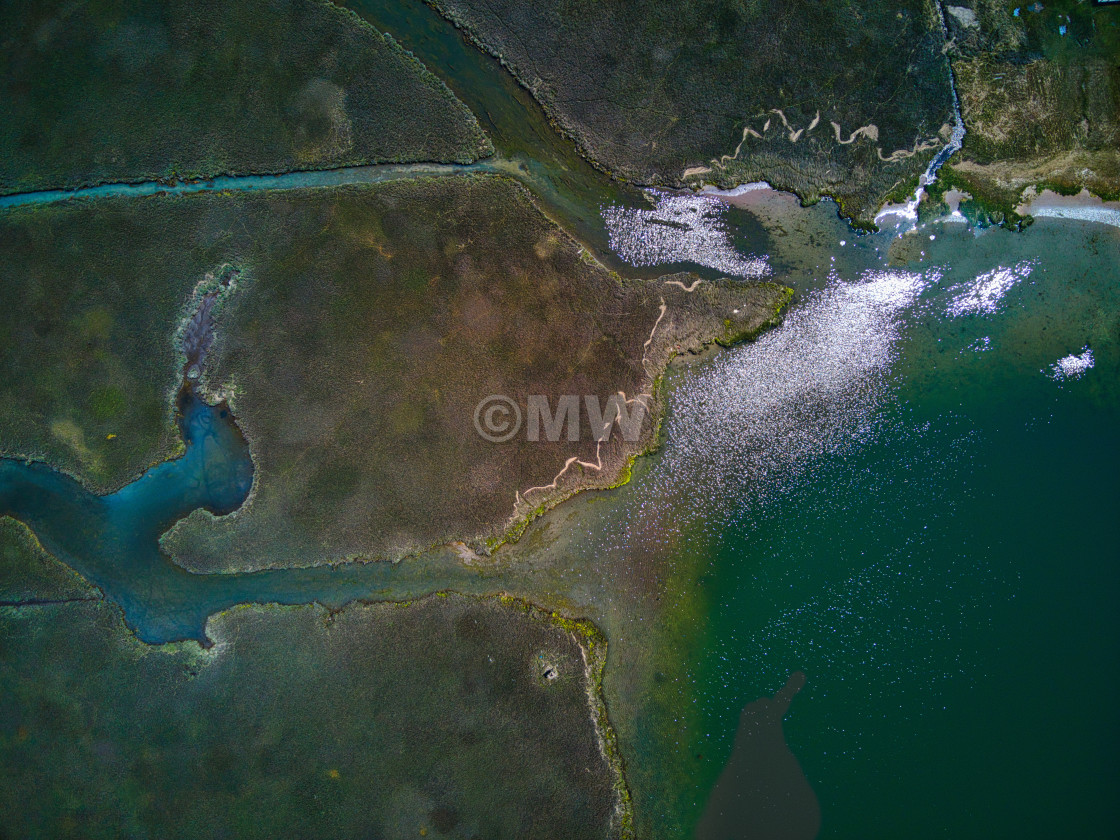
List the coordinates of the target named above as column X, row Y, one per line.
column 891, row 493
column 919, row 516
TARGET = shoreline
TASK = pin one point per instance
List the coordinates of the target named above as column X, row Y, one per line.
column 688, row 334
column 1084, row 206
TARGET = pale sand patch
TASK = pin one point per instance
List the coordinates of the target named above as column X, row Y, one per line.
column 870, row 131
column 794, row 134
column 689, row 288
column 898, row 215
column 1084, row 206
column 467, row 555
column 964, row 15
column 742, row 189
column 953, row 198
column 902, row 154
column 906, row 215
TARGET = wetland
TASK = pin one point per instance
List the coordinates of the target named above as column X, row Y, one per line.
column 252, row 553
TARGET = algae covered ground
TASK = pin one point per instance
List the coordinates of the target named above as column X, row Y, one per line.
column 127, row 90
column 447, row 717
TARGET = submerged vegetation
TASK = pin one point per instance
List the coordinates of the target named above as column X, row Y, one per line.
column 127, row 90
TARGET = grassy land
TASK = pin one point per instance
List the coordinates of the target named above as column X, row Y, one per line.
column 29, row 573
column 93, row 293
column 368, row 327
column 1042, row 107
column 433, row 718
column 364, row 327
column 126, row 90
column 649, row 90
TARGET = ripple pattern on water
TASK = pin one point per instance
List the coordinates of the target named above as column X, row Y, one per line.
column 680, row 228
column 1073, row 366
column 808, row 388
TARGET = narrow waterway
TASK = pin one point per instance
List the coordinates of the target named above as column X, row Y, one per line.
column 907, row 493
column 303, row 179
column 528, row 148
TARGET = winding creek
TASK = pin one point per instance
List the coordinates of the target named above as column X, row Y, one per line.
column 907, row 492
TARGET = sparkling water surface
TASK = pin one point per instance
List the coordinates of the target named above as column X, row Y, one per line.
column 910, row 492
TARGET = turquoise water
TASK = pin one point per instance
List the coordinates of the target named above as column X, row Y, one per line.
column 114, row 541
column 374, row 174
column 527, row 146
column 895, row 493
column 903, row 492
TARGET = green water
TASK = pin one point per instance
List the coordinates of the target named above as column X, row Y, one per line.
column 931, row 536
column 891, row 493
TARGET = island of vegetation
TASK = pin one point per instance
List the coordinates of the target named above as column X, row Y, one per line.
column 392, row 719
